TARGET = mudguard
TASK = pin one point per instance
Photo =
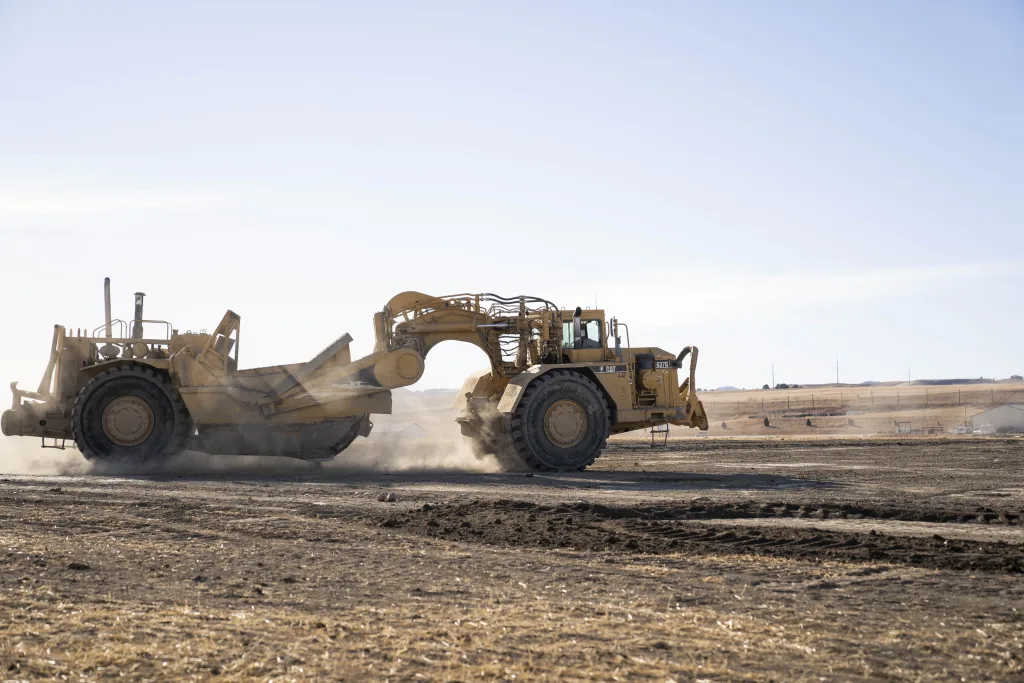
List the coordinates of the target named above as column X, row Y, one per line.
column 514, row 391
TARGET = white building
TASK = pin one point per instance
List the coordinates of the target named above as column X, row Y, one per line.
column 1009, row 416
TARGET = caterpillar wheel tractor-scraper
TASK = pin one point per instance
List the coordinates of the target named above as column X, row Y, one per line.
column 142, row 390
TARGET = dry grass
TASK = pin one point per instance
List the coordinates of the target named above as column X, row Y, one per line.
column 513, row 634
column 251, row 579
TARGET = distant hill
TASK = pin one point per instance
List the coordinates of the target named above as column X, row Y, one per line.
column 899, row 383
column 944, row 382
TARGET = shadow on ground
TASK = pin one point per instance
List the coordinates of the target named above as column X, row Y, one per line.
column 352, row 475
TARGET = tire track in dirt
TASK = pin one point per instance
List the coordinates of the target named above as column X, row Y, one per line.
column 659, row 530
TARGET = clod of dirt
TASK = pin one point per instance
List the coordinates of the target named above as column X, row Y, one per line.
column 56, row 489
column 389, row 497
column 78, row 566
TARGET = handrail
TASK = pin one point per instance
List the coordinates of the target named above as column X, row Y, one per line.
column 630, row 364
column 122, row 325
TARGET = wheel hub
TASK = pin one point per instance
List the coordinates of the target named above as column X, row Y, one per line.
column 565, row 423
column 127, row 421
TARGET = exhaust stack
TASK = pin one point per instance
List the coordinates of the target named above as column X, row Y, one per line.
column 108, row 350
column 106, row 305
column 137, row 327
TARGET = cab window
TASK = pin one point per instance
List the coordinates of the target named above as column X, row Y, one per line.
column 590, row 338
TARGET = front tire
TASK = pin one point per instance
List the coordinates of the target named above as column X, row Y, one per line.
column 561, row 423
column 130, row 413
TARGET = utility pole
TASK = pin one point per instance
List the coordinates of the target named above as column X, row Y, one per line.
column 773, row 374
column 837, row 372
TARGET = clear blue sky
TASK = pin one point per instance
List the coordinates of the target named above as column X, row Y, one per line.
column 792, row 182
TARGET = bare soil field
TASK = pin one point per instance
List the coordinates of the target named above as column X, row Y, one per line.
column 849, row 410
column 708, row 559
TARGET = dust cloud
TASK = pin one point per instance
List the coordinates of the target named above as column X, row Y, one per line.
column 424, row 439
column 441, row 449
column 25, row 455
column 448, row 452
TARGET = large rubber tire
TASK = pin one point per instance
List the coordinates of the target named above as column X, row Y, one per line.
column 146, row 397
column 530, row 425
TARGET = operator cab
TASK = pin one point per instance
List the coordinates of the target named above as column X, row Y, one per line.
column 590, row 334
column 583, row 335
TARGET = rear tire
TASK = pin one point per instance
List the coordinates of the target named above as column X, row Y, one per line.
column 561, row 423
column 130, row 413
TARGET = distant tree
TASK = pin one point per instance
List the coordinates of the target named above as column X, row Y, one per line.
column 1016, row 377
column 766, row 387
column 782, row 385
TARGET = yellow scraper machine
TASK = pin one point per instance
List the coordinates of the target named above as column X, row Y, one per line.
column 559, row 384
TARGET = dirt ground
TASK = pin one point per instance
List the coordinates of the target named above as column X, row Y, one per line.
column 705, row 560
column 856, row 410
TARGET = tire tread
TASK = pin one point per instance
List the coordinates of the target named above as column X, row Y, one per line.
column 517, row 437
column 182, row 419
